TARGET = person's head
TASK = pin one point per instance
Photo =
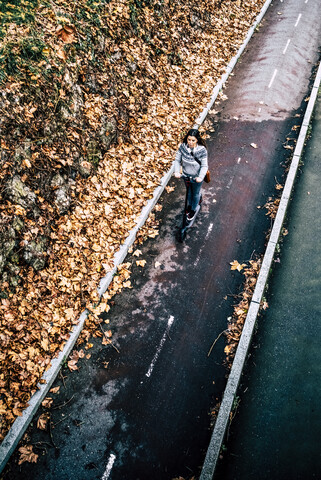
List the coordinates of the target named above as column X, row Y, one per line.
column 193, row 138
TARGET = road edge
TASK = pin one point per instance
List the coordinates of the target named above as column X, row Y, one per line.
column 229, row 395
column 21, row 424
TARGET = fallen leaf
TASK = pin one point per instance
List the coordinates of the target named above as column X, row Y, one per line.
column 141, row 263
column 235, row 265
column 42, row 421
column 55, row 389
column 72, row 365
column 27, row 455
column 66, row 33
column 47, row 402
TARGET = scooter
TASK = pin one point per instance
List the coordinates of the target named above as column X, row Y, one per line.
column 186, row 224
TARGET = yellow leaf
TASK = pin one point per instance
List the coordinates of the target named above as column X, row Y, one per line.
column 45, row 344
column 26, row 163
column 228, row 349
column 141, row 263
column 237, row 266
column 20, row 210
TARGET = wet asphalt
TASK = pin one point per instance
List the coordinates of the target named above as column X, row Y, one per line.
column 276, row 430
column 144, row 412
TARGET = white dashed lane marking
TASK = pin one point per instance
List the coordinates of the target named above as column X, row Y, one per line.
column 209, row 230
column 109, row 467
column 286, row 47
column 273, row 78
column 152, row 365
column 297, row 22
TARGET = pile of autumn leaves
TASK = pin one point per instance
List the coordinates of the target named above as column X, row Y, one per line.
column 37, row 318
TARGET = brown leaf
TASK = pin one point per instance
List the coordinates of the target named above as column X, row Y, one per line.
column 72, row 365
column 55, row 389
column 42, row 421
column 47, row 402
column 61, row 54
column 27, row 455
column 66, row 33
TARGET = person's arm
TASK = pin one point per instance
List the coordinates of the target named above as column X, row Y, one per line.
column 178, row 163
column 202, row 156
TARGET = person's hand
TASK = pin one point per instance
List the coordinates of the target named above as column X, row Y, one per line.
column 198, row 179
column 177, row 175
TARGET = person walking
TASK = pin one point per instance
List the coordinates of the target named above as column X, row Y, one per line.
column 191, row 162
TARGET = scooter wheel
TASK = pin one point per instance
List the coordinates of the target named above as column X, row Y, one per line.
column 181, row 235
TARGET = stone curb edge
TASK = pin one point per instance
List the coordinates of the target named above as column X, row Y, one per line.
column 226, row 407
column 20, row 425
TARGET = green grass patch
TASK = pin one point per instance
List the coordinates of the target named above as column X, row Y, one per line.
column 19, row 12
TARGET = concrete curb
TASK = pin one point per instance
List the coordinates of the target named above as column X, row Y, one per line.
column 245, row 340
column 21, row 423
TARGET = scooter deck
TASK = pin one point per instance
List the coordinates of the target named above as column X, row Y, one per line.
column 188, row 224
column 183, row 230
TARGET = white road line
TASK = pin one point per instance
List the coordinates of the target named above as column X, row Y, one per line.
column 152, row 365
column 286, row 47
column 230, row 182
column 297, row 22
column 273, row 78
column 210, row 228
column 109, row 467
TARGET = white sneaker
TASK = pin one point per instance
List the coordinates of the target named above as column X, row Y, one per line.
column 191, row 215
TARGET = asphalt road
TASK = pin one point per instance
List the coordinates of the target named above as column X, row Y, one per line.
column 143, row 413
column 275, row 433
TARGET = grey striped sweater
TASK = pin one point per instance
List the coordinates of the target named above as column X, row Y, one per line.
column 186, row 160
